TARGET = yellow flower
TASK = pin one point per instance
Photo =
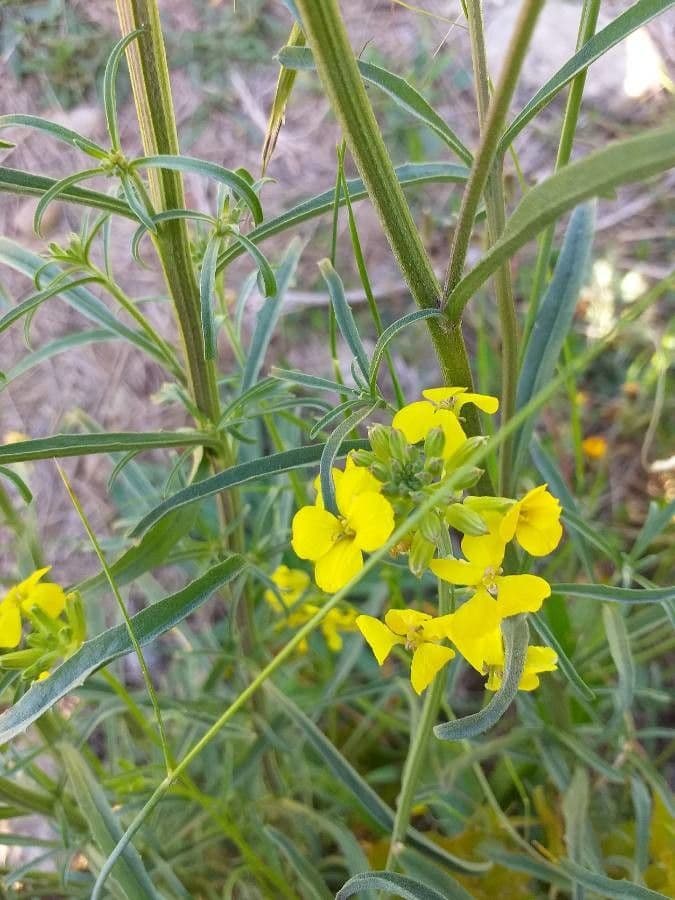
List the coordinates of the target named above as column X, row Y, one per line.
column 334, row 622
column 360, row 479
column 534, row 521
column 594, row 446
column 454, row 398
column 336, row 543
column 291, row 585
column 512, row 594
column 537, row 660
column 417, row 631
column 50, row 598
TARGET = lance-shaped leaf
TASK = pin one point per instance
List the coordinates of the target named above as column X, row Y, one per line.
column 609, row 594
column 394, row 885
column 110, row 86
column 207, row 292
column 57, row 446
column 16, row 181
column 60, row 132
column 343, row 315
column 55, row 190
column 390, row 333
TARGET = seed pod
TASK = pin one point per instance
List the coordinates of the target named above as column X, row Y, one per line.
column 421, row 553
column 465, row 520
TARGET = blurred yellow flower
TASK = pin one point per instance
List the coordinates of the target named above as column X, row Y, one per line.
column 534, row 521
column 291, row 585
column 417, row 631
column 483, row 569
column 50, row 598
column 15, row 437
column 594, row 446
column 335, row 544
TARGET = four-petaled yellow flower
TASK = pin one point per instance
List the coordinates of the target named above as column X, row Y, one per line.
column 335, row 544
column 482, row 569
column 534, row 521
column 537, row 660
column 50, row 598
column 417, row 631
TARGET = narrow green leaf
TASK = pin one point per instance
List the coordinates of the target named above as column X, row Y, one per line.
column 148, row 625
column 516, row 635
column 577, row 684
column 15, row 181
column 581, row 750
column 331, row 451
column 265, row 269
column 619, row 646
column 642, row 804
column 53, row 348
column 268, row 316
column 337, row 412
column 129, row 871
column 400, row 91
column 610, row 594
column 59, row 445
column 18, row 483
column 207, row 299
column 395, row 886
column 110, row 86
column 60, row 132
column 233, row 180
column 137, row 203
column 554, row 319
column 628, row 22
column 622, row 162
column 167, row 215
column 312, row 381
column 55, row 190
column 314, row 887
column 613, row 888
column 575, row 813
column 282, row 95
column 408, row 175
column 591, row 532
column 390, row 333
column 254, row 470
column 431, row 874
column 658, row 519
column 343, row 315
column 33, row 302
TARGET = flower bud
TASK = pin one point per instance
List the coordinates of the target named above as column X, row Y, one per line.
column 434, row 443
column 467, row 477
column 489, row 504
column 378, row 436
column 430, row 527
column 465, row 520
column 380, row 471
column 363, row 458
column 421, row 553
column 464, row 453
column 398, row 446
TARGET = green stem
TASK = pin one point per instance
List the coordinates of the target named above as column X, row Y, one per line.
column 496, row 217
column 418, row 748
column 485, row 157
column 342, row 82
column 587, row 25
column 154, row 108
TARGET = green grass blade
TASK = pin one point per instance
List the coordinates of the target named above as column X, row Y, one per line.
column 129, row 871
column 312, row 381
column 657, row 520
column 137, row 203
column 60, row 132
column 53, row 348
column 629, row 21
column 619, row 646
column 110, row 86
column 343, row 315
column 575, row 813
column 622, row 162
column 268, row 316
column 148, row 625
column 408, row 175
column 400, row 91
column 57, row 446
column 394, row 885
column 642, row 805
column 231, row 179
column 612, row 888
column 314, row 887
column 261, row 261
column 18, row 482
column 609, row 594
column 554, row 319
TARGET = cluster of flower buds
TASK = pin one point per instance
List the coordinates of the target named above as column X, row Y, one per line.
column 379, row 488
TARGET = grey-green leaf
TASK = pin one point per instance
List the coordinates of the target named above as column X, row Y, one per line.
column 394, row 885
column 343, row 315
column 60, row 132
column 610, row 594
column 15, row 181
column 110, row 86
column 207, row 300
column 57, row 446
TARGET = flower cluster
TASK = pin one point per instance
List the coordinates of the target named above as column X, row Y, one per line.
column 49, row 621
column 380, row 487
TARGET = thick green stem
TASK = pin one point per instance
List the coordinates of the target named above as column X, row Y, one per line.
column 496, row 217
column 587, row 25
column 485, row 157
column 342, row 82
column 154, row 107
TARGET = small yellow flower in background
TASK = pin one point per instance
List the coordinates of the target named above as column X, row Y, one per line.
column 482, row 569
column 537, row 660
column 15, row 437
column 291, row 585
column 594, row 446
column 417, row 631
column 534, row 521
column 42, row 676
column 335, row 544
column 48, row 597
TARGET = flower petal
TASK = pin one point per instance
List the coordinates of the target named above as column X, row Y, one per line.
column 315, row 531
column 474, row 623
column 338, row 566
column 401, row 621
column 427, row 661
column 484, row 550
column 10, row 625
column 415, row 420
column 441, row 394
column 355, row 480
column 50, row 598
column 453, row 432
column 457, row 571
column 521, row 593
column 541, row 659
column 380, row 638
column 371, row 516
column 485, row 402
column 539, row 539
column 508, row 525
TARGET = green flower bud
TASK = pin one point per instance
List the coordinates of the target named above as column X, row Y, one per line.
column 380, row 471
column 465, row 520
column 363, row 458
column 398, row 446
column 431, row 527
column 434, row 467
column 434, row 443
column 421, row 553
column 378, row 436
column 467, row 477
column 489, row 504
column 461, row 456
column 20, row 659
